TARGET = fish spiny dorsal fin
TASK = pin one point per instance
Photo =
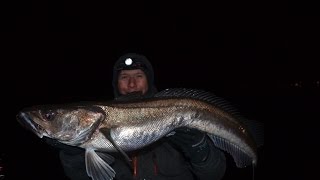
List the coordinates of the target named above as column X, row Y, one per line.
column 199, row 95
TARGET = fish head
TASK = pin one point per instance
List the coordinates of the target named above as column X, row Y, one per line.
column 70, row 125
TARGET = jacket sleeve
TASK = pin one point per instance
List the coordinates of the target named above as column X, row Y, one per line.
column 72, row 160
column 213, row 167
column 74, row 165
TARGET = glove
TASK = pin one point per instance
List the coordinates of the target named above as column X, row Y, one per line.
column 193, row 144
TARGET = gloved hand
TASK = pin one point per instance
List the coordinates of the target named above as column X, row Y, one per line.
column 193, row 143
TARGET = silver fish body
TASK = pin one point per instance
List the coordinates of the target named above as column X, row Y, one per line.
column 139, row 123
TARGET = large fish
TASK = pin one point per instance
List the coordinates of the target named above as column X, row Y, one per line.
column 124, row 126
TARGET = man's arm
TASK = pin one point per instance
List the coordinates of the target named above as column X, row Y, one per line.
column 72, row 160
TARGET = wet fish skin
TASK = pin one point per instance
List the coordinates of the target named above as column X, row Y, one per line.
column 167, row 114
column 136, row 124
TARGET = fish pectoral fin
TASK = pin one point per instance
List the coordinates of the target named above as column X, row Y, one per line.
column 97, row 165
column 106, row 157
column 107, row 133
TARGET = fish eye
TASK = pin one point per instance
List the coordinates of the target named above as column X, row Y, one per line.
column 48, row 115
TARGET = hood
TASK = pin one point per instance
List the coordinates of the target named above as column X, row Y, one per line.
column 134, row 61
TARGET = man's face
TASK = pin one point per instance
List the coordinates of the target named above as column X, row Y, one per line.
column 132, row 81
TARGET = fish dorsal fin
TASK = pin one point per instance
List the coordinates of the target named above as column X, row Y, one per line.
column 97, row 165
column 199, row 95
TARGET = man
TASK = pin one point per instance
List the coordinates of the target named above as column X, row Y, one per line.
column 186, row 155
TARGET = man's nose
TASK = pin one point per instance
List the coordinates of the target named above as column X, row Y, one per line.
column 132, row 82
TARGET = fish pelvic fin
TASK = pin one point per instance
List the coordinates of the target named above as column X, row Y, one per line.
column 240, row 157
column 97, row 165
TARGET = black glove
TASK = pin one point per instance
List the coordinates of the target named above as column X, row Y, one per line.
column 193, row 143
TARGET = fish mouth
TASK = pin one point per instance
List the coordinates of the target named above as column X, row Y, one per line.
column 25, row 120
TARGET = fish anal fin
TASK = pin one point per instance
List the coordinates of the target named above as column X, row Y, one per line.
column 97, row 167
column 240, row 158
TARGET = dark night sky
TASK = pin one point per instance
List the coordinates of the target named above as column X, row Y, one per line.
column 257, row 57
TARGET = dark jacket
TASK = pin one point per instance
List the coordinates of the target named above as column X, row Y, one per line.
column 160, row 161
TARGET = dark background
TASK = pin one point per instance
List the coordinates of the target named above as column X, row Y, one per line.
column 260, row 57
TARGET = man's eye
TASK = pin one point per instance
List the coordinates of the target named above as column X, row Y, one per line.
column 123, row 77
column 48, row 115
